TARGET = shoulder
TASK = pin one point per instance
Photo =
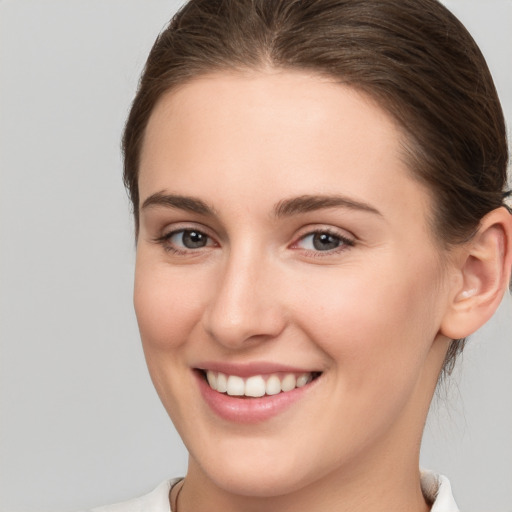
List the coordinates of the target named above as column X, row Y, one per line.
column 156, row 501
column 437, row 489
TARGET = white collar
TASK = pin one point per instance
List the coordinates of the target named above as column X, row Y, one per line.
column 437, row 489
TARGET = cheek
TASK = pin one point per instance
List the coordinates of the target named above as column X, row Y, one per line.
column 167, row 305
column 376, row 325
column 377, row 336
column 167, row 309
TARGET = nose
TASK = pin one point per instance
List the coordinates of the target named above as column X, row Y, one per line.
column 244, row 307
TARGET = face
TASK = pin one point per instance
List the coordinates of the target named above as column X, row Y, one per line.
column 284, row 253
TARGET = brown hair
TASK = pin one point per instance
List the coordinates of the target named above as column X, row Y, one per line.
column 412, row 56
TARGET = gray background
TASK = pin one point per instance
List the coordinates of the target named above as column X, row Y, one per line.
column 80, row 422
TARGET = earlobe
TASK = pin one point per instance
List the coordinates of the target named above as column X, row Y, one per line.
column 484, row 274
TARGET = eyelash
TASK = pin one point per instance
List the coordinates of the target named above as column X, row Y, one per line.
column 164, row 241
column 344, row 242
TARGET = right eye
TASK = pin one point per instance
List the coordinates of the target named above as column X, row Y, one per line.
column 189, row 239
column 185, row 240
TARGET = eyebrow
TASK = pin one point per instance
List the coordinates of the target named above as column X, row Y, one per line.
column 190, row 204
column 309, row 203
column 284, row 208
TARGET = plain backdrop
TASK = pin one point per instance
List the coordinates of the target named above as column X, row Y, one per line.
column 80, row 422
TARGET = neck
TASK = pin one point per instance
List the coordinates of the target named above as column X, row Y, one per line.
column 392, row 486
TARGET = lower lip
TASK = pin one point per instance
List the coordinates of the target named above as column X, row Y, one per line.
column 249, row 410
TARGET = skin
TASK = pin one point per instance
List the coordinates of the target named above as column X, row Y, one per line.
column 367, row 314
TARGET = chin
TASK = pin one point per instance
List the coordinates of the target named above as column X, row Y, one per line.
column 262, row 484
column 258, row 474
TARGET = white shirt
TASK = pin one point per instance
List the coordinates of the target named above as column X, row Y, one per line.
column 435, row 487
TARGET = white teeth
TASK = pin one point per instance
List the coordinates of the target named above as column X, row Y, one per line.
column 273, row 386
column 256, row 385
column 222, row 383
column 289, row 382
column 212, row 379
column 302, row 380
column 236, row 386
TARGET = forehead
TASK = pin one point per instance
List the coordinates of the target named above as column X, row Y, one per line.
column 277, row 134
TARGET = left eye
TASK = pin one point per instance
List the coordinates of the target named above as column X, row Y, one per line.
column 322, row 241
column 189, row 239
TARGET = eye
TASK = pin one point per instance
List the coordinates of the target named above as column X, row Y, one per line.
column 323, row 241
column 182, row 241
column 188, row 239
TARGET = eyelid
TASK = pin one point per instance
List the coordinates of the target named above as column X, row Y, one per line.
column 347, row 239
column 173, row 227
column 169, row 231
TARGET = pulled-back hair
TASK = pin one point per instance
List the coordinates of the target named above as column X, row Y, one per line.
column 413, row 57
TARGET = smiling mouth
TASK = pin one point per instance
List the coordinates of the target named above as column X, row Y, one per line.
column 257, row 385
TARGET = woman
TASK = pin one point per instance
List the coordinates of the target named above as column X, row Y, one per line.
column 319, row 198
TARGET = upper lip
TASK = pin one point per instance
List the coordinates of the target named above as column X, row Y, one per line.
column 249, row 369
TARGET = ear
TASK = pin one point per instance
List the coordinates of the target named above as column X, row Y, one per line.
column 482, row 270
